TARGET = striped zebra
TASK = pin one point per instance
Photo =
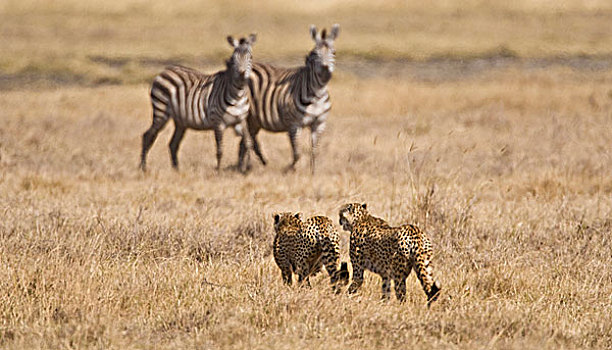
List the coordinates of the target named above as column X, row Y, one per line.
column 202, row 102
column 287, row 100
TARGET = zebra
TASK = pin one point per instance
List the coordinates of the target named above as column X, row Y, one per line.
column 286, row 100
column 202, row 102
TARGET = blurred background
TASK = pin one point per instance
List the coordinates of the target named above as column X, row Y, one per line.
column 117, row 42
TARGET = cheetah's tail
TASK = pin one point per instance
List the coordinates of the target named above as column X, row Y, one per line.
column 434, row 293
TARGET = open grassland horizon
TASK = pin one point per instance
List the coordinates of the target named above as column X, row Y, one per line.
column 118, row 42
column 507, row 168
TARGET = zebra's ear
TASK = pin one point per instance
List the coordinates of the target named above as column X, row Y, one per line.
column 334, row 32
column 232, row 41
column 252, row 38
column 323, row 33
column 313, row 33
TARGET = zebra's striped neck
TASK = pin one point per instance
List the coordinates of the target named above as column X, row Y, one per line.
column 314, row 86
column 235, row 98
column 236, row 87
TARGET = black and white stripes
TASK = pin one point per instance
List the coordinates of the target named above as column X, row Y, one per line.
column 202, row 102
column 287, row 100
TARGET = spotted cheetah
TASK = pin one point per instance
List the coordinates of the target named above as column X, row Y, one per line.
column 304, row 247
column 391, row 252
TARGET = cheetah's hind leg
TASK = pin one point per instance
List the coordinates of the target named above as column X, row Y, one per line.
column 340, row 278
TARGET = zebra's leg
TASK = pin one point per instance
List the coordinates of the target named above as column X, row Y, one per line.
column 242, row 152
column 257, row 149
column 179, row 132
column 315, row 133
column 159, row 121
column 245, row 147
column 253, row 130
column 293, row 135
column 219, row 142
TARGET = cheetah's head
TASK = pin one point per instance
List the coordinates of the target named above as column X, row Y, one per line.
column 350, row 213
column 287, row 220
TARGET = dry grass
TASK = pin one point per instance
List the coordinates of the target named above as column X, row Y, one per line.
column 506, row 167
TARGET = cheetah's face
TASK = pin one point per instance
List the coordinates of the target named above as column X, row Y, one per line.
column 283, row 221
column 350, row 213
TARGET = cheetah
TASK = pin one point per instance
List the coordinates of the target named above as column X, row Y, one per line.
column 304, row 247
column 391, row 252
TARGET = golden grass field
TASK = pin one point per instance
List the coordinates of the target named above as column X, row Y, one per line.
column 487, row 124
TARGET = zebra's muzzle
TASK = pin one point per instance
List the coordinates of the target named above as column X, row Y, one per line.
column 325, row 73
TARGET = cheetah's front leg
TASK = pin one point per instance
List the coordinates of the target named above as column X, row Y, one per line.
column 303, row 280
column 286, row 277
column 303, row 271
column 357, row 279
column 357, row 262
column 386, row 288
column 400, row 288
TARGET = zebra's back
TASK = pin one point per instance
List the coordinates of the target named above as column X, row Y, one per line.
column 272, row 94
column 182, row 93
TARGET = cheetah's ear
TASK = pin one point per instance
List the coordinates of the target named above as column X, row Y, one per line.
column 276, row 218
column 364, row 206
column 298, row 215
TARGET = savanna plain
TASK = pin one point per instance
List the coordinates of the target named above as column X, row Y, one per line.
column 487, row 123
